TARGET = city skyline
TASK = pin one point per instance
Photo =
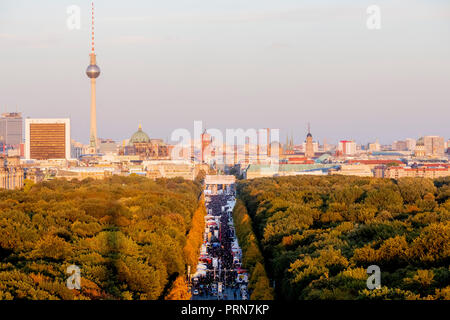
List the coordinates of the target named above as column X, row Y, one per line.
column 174, row 70
column 225, row 150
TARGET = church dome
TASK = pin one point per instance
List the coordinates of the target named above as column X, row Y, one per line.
column 420, row 142
column 139, row 137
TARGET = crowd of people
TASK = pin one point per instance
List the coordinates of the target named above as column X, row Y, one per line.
column 220, row 278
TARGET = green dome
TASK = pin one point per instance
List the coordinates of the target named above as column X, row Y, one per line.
column 139, row 137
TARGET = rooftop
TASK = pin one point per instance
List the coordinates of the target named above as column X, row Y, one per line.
column 289, row 167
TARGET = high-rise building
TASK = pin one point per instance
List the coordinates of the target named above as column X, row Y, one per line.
column 434, row 145
column 400, row 145
column 347, row 147
column 309, row 148
column 11, row 128
column 76, row 149
column 93, row 71
column 47, row 139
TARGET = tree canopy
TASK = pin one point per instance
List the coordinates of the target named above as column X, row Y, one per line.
column 319, row 234
column 128, row 236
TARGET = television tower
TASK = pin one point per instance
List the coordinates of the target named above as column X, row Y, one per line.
column 93, row 71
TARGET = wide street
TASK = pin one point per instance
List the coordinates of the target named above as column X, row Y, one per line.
column 219, row 274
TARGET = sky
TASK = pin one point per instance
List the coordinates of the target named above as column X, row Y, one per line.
column 233, row 64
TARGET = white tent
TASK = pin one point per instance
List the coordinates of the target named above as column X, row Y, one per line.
column 201, row 266
column 199, row 273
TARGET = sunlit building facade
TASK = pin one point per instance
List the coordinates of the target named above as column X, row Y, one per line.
column 47, row 139
column 434, row 145
column 11, row 125
column 347, row 147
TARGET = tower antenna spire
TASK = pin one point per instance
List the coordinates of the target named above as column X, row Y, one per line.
column 92, row 28
column 309, row 127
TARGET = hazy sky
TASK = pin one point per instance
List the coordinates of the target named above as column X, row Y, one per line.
column 232, row 64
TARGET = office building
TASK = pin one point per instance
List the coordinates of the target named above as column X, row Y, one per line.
column 347, row 147
column 434, row 145
column 11, row 128
column 76, row 149
column 47, row 139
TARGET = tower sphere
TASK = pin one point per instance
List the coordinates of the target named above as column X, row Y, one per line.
column 93, row 71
